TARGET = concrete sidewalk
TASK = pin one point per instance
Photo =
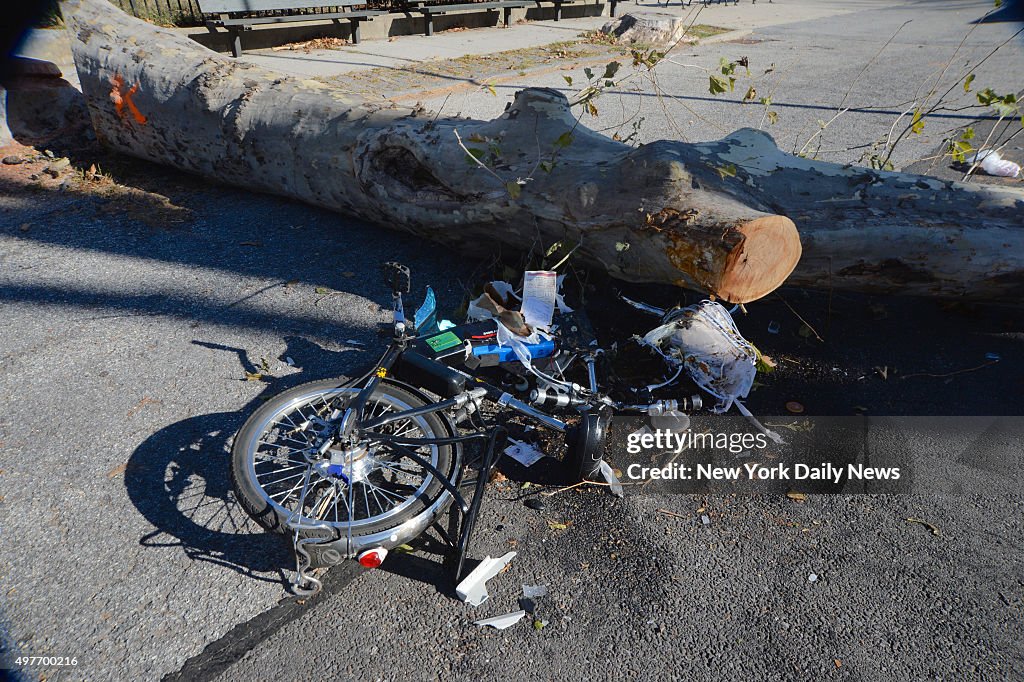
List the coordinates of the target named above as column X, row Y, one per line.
column 402, row 51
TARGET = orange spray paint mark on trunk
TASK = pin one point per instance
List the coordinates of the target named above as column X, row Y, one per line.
column 124, row 99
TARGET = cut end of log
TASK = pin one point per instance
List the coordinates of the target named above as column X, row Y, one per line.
column 768, row 253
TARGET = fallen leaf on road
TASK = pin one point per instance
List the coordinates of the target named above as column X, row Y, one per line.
column 797, row 497
column 142, row 403
column 555, row 525
column 934, row 529
column 118, row 470
column 253, row 376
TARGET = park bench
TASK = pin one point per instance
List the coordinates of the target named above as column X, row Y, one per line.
column 429, row 11
column 558, row 5
column 236, row 16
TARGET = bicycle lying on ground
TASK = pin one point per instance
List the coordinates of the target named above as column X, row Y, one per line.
column 351, row 468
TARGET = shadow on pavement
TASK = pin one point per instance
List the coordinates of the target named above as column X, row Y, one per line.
column 179, row 480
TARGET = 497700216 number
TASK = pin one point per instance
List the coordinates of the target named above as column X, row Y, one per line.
column 45, row 661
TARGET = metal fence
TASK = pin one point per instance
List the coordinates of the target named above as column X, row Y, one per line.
column 187, row 12
column 177, row 12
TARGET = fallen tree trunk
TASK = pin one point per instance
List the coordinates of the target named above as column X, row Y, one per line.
column 715, row 217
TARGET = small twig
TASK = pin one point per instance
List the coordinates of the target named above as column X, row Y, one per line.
column 577, row 485
column 559, row 263
column 440, row 109
column 808, row 324
column 476, row 160
column 977, row 162
column 674, row 515
column 931, row 527
column 950, row 374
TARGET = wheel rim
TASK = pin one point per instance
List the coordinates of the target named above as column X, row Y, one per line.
column 377, row 483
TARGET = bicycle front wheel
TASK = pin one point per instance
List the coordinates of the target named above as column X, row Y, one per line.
column 284, row 481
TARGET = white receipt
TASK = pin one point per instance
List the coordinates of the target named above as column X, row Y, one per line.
column 524, row 453
column 539, row 290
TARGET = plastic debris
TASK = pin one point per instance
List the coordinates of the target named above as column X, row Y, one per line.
column 526, row 454
column 705, row 340
column 611, row 479
column 534, row 591
column 425, row 317
column 993, row 356
column 644, row 307
column 473, row 588
column 705, row 519
column 501, row 622
column 812, row 578
column 289, row 361
column 993, row 164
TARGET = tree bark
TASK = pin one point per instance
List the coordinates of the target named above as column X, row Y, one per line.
column 714, row 217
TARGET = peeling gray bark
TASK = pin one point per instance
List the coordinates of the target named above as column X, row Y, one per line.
column 713, row 217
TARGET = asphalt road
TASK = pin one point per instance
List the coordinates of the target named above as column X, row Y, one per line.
column 818, row 68
column 126, row 336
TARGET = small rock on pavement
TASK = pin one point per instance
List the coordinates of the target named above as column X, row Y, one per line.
column 12, row 160
column 534, row 503
column 58, row 165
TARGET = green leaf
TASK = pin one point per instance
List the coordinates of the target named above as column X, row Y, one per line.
column 621, row 246
column 917, row 123
column 717, row 85
column 514, row 189
column 554, row 247
column 751, row 94
column 611, row 69
column 322, row 290
column 490, row 88
column 773, row 117
column 589, row 73
column 986, row 96
column 967, row 83
column 568, row 79
column 546, row 166
column 563, row 140
column 476, row 152
column 998, row 3
column 727, row 171
column 968, row 133
column 1004, row 109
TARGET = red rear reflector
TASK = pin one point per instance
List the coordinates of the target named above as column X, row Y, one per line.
column 372, row 558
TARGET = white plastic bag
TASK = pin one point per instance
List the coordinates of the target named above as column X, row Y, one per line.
column 993, row 164
column 705, row 340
